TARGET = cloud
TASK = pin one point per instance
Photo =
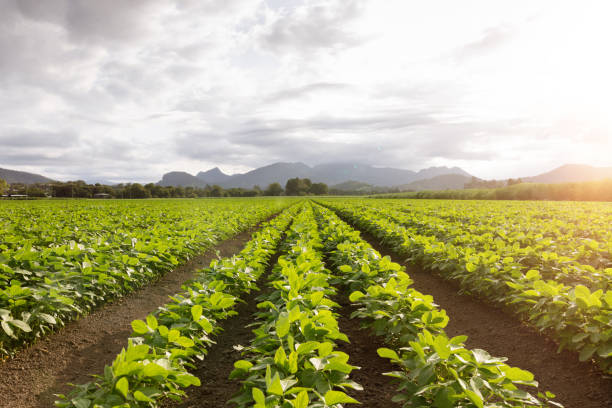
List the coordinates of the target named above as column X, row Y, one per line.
column 306, row 90
column 324, row 25
column 126, row 90
column 24, row 138
column 492, row 39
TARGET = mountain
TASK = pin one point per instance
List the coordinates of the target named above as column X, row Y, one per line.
column 264, row 176
column 213, row 176
column 330, row 174
column 335, row 173
column 432, row 172
column 441, row 182
column 181, row 178
column 572, row 173
column 14, row 176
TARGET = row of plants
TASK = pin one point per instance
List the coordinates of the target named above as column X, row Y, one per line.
column 59, row 260
column 558, row 249
column 293, row 361
column 434, row 370
column 579, row 318
column 163, row 347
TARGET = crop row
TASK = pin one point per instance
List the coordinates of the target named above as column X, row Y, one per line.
column 57, row 263
column 580, row 319
column 293, row 362
column 549, row 246
column 155, row 363
column 434, row 370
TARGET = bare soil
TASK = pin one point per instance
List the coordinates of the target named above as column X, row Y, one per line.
column 377, row 388
column 85, row 346
column 488, row 327
column 214, row 370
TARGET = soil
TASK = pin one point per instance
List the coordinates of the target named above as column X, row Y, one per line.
column 377, row 388
column 85, row 346
column 214, row 370
column 576, row 384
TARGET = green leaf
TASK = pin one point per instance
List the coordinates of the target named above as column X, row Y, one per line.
column 387, row 353
column 184, row 342
column 275, row 387
column 516, row 374
column 196, row 312
column 7, row 329
column 81, row 402
column 282, row 325
column 475, row 398
column 139, row 396
column 338, row 397
column 243, row 365
column 154, row 370
column 440, row 345
column 123, row 386
column 22, row 325
column 47, row 318
column 587, row 352
column 140, row 327
column 355, row 296
column 302, row 400
column 258, row 396
column 152, row 322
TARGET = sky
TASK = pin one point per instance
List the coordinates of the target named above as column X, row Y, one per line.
column 119, row 90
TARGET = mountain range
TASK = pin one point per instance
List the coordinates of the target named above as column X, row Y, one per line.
column 331, row 174
column 343, row 176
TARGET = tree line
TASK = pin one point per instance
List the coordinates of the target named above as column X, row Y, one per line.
column 81, row 189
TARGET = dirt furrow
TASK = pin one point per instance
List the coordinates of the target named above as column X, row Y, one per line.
column 576, row 384
column 84, row 346
column 214, row 370
column 377, row 388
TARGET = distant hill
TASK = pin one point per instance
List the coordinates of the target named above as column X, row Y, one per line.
column 572, row 173
column 14, row 176
column 441, row 182
column 213, row 176
column 181, row 178
column 432, row 172
column 331, row 174
column 359, row 187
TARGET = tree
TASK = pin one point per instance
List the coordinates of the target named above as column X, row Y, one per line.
column 297, row 186
column 137, row 190
column 318, row 189
column 3, row 186
column 216, row 191
column 274, row 189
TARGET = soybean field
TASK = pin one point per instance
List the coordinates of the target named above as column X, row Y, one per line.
column 299, row 303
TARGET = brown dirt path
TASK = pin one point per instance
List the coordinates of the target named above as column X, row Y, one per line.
column 377, row 388
column 214, row 370
column 576, row 384
column 84, row 346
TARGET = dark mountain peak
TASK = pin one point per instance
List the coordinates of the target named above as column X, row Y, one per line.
column 15, row 176
column 213, row 176
column 181, row 178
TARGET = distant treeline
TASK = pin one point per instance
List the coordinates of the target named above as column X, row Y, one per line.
column 584, row 191
column 80, row 189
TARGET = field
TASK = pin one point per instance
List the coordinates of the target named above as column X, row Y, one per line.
column 299, row 303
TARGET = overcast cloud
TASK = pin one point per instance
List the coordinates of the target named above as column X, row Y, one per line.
column 128, row 90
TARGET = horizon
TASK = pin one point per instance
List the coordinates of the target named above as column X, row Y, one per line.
column 120, row 91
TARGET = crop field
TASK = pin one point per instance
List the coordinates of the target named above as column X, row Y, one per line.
column 329, row 300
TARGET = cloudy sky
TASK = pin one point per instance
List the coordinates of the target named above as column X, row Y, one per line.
column 126, row 90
